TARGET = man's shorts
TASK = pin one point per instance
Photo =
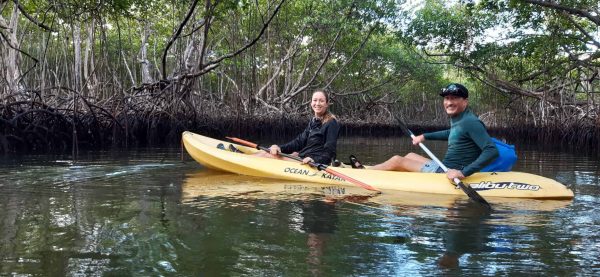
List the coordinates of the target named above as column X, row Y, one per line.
column 431, row 167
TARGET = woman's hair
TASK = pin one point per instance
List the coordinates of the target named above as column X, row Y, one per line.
column 328, row 115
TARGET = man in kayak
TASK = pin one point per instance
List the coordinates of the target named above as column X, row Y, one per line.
column 470, row 147
column 318, row 142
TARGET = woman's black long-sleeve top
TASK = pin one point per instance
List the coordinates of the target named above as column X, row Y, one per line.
column 317, row 141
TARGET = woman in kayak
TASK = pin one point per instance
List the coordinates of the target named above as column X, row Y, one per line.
column 317, row 143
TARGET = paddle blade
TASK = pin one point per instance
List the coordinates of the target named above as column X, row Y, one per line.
column 403, row 126
column 350, row 179
column 473, row 195
column 243, row 142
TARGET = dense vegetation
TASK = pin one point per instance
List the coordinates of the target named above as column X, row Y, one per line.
column 117, row 72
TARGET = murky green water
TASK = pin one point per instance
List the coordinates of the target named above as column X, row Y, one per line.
column 146, row 213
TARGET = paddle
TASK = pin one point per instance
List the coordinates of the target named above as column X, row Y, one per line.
column 473, row 195
column 313, row 164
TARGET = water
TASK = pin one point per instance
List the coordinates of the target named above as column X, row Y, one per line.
column 145, row 212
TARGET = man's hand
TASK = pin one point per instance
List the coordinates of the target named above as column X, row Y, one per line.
column 418, row 139
column 453, row 173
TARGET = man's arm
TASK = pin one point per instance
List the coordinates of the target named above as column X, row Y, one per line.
column 489, row 152
column 439, row 135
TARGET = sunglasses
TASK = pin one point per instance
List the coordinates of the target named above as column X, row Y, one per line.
column 451, row 89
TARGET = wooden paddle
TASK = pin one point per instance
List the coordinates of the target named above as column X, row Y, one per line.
column 473, row 195
column 313, row 164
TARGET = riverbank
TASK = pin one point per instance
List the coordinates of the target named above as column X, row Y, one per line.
column 53, row 132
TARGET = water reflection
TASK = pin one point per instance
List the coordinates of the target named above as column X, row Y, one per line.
column 457, row 233
column 467, row 232
column 63, row 218
column 202, row 183
column 134, row 215
column 319, row 221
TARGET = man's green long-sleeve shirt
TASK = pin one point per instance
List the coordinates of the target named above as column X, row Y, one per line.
column 470, row 147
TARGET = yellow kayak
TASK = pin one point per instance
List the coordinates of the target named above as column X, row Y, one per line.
column 488, row 184
column 212, row 183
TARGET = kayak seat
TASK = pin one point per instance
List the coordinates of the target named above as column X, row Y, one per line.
column 234, row 149
column 336, row 163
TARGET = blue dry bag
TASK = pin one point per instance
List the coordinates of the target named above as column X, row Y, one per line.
column 506, row 159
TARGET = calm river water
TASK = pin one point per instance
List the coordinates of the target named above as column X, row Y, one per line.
column 147, row 213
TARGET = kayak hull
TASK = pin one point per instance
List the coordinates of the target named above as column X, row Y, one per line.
column 512, row 184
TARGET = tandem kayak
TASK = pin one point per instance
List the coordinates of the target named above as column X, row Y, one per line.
column 512, row 184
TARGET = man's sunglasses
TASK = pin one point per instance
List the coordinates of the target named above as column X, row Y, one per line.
column 451, row 89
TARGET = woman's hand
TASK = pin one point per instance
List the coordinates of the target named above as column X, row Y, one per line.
column 275, row 150
column 307, row 160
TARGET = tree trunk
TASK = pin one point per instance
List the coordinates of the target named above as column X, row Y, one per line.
column 89, row 70
column 11, row 55
column 77, row 59
column 145, row 63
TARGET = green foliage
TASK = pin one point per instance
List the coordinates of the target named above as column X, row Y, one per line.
column 362, row 58
column 512, row 37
